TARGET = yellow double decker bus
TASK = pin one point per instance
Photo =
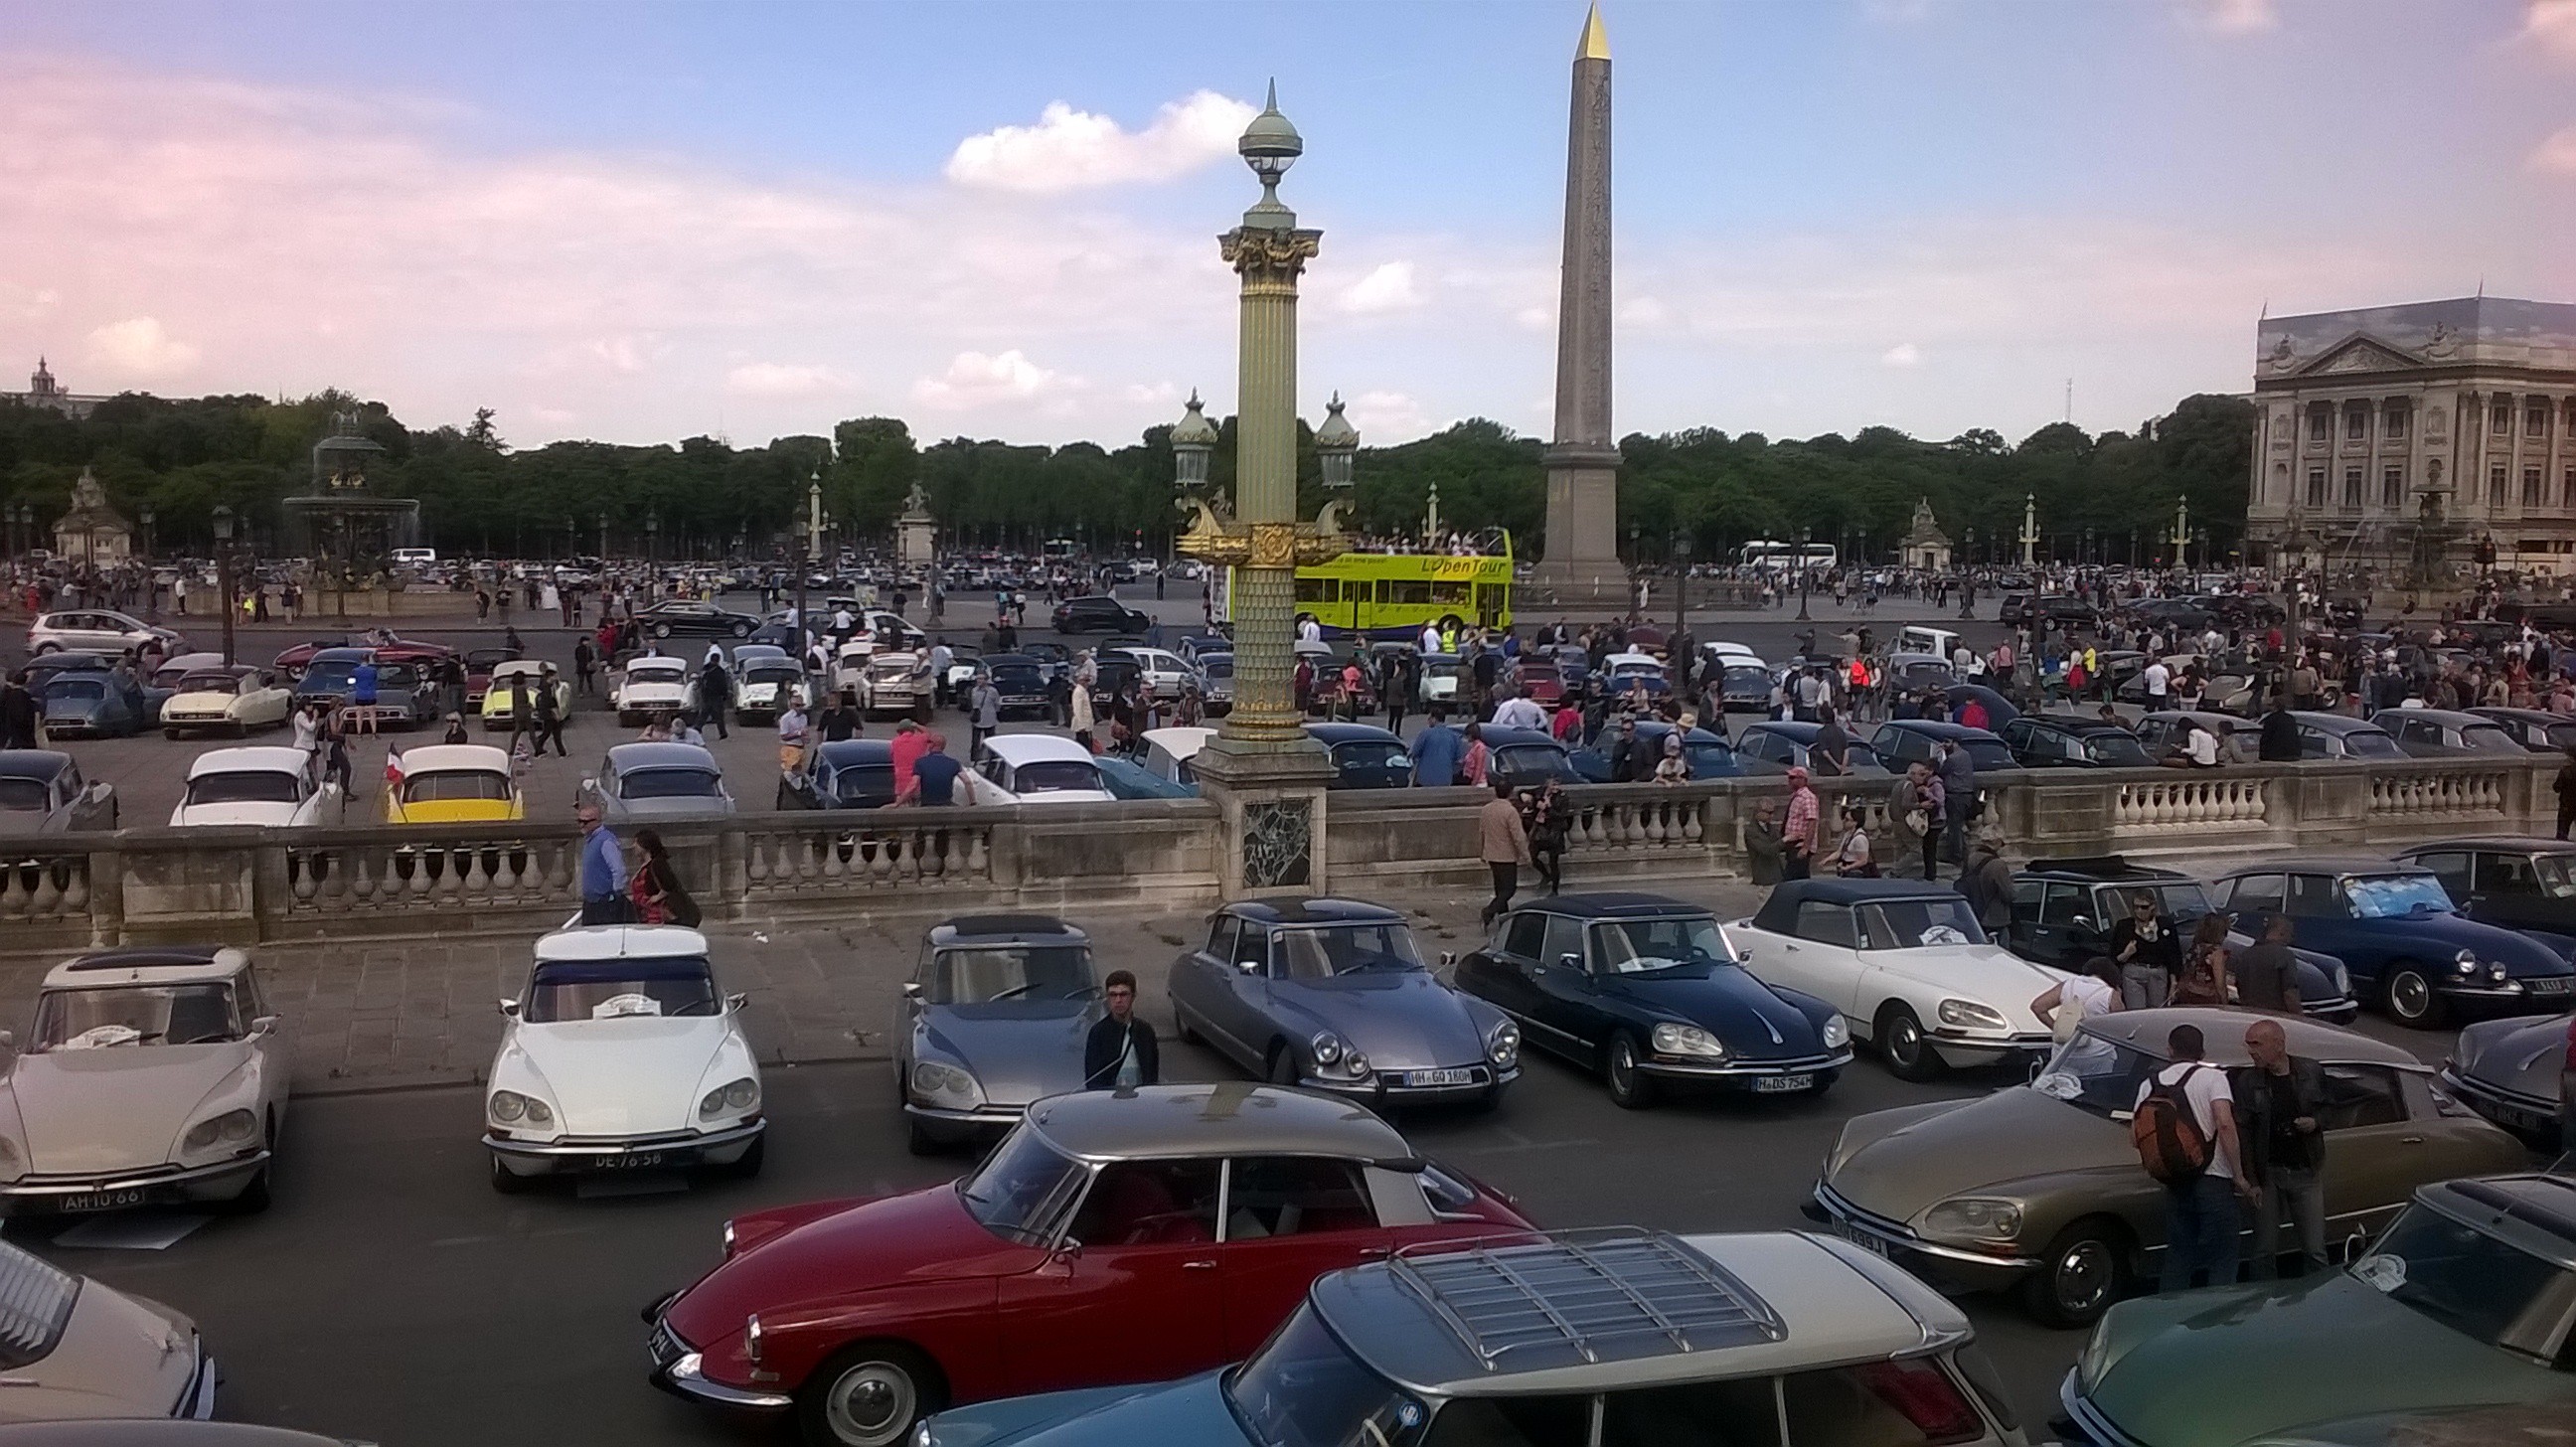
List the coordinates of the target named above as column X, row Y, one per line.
column 1393, row 595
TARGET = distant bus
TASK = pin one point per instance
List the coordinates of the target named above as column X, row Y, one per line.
column 1393, row 595
column 1057, row 550
column 415, row 557
column 1790, row 557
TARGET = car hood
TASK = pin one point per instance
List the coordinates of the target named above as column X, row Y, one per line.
column 2522, row 1055
column 119, row 1356
column 275, row 816
column 1066, row 796
column 114, row 1109
column 632, row 1075
column 1932, row 1153
column 1019, row 1051
column 651, row 691
column 1399, row 1019
column 77, row 709
column 1728, row 1002
column 677, row 806
column 2327, row 1346
column 1191, row 1410
column 2451, row 933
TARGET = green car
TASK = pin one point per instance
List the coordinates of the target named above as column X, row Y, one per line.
column 2468, row 1300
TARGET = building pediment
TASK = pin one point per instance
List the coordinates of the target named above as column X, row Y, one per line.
column 2360, row 354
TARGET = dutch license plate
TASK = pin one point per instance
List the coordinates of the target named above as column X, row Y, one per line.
column 102, row 1200
column 634, row 1161
column 1439, row 1077
column 1782, row 1084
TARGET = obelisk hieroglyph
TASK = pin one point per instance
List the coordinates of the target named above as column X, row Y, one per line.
column 1581, row 570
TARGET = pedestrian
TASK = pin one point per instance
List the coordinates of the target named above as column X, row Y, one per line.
column 307, row 723
column 2267, row 974
column 522, row 710
column 1799, row 839
column 1672, row 768
column 362, row 695
column 1851, row 857
column 2202, row 979
column 1437, row 752
column 1081, row 716
column 2278, row 1102
column 1545, row 813
column 911, row 741
column 17, row 713
column 791, row 736
column 935, row 774
column 2184, row 1125
column 986, row 711
column 1986, row 880
column 1828, row 753
column 835, row 721
column 603, row 872
column 456, row 733
column 2565, row 787
column 655, row 891
column 2149, row 950
column 715, row 694
column 1503, row 845
column 1762, row 843
column 1921, row 822
column 1474, row 766
column 550, row 721
column 1120, row 1053
column 335, row 750
column 1956, row 773
column 2070, row 1002
column 2279, row 741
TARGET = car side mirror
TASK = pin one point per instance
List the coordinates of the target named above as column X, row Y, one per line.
column 1067, row 1249
column 1448, row 959
column 510, row 1008
column 2082, row 921
column 736, row 1001
column 912, row 989
column 1249, row 967
column 264, row 1025
column 1571, row 961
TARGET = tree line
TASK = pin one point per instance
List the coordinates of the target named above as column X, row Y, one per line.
column 2112, row 494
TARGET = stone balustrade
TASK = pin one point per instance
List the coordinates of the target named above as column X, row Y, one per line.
column 247, row 885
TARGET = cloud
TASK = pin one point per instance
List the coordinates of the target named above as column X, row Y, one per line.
column 1389, row 288
column 1386, row 418
column 1903, row 354
column 2557, row 155
column 138, row 348
column 776, row 379
column 1069, row 149
column 1644, row 311
column 1157, row 394
column 976, row 380
column 2233, row 17
column 2550, row 25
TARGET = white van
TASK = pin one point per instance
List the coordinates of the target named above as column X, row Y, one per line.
column 1914, row 638
column 415, row 557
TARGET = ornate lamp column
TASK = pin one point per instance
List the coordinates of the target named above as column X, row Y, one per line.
column 2029, row 528
column 1265, row 775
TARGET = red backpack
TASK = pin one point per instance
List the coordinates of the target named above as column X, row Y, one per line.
column 2171, row 1144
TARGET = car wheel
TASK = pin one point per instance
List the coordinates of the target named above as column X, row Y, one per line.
column 171, row 734
column 2081, row 1273
column 1630, row 1087
column 1900, row 1039
column 44, row 648
column 2412, row 1000
column 507, row 1181
column 742, row 630
column 868, row 1396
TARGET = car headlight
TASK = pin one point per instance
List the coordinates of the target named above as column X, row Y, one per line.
column 1837, row 1032
column 233, row 1127
column 510, row 1107
column 730, row 1099
column 2342, row 980
column 1504, row 1045
column 1975, row 1218
column 1686, row 1040
column 2497, row 973
column 2465, row 962
column 945, row 1086
column 1326, row 1046
column 1969, row 1015
column 2088, row 1367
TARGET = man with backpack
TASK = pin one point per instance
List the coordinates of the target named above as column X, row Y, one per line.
column 2185, row 1131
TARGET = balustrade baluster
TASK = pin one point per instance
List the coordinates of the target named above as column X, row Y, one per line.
column 979, row 860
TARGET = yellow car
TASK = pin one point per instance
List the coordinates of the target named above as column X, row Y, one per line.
column 453, row 784
column 540, row 674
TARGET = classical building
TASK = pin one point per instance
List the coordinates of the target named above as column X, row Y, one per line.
column 44, row 391
column 1924, row 546
column 2416, row 434
column 92, row 532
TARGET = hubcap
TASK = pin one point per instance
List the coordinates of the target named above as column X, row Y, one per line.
column 2082, row 1275
column 1623, row 1067
column 2409, row 993
column 871, row 1405
column 1903, row 1041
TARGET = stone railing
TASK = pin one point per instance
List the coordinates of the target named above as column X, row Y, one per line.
column 245, row 885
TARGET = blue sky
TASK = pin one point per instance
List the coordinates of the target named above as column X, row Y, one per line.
column 637, row 222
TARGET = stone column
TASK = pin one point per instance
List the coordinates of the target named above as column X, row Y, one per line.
column 1582, row 571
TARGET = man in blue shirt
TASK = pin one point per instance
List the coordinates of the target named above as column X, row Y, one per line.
column 362, row 696
column 1437, row 752
column 934, row 774
column 603, row 871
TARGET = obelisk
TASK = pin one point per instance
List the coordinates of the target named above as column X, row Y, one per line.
column 1581, row 571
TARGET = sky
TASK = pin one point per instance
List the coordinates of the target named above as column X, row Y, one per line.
column 641, row 222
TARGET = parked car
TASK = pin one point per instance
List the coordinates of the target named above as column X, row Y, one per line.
column 2537, row 730
column 620, row 1055
column 101, row 629
column 1904, row 741
column 1526, row 757
column 541, row 676
column 45, row 666
column 893, row 683
column 2162, row 733
column 1169, row 750
column 993, row 1020
column 80, row 1351
column 1777, row 746
column 1615, row 1336
column 1622, row 672
column 290, row 663
column 848, row 774
column 1539, row 680
column 272, row 787
column 1707, row 754
column 404, row 694
column 453, row 784
column 2057, row 741
column 164, row 682
column 1163, row 672
column 154, row 1075
column 478, row 665
column 1021, row 682
column 83, row 703
column 1907, row 965
column 652, row 783
column 237, row 698
column 2512, row 1071
column 1124, row 778
column 2512, row 881
column 1216, row 683
column 2063, row 911
column 1646, row 991
column 2467, row 1300
column 1744, row 687
column 765, row 686
column 1331, row 995
column 1098, row 613
column 2438, row 733
column 2410, row 951
column 1032, row 768
column 42, row 792
column 2334, row 736
column 2036, row 1188
column 1058, row 1263
column 651, row 687
column 1364, row 756
column 1444, row 678
column 685, row 618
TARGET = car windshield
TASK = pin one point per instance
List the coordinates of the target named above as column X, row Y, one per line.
column 864, row 784
column 2471, row 1282
column 2119, row 751
column 1991, row 754
column 670, row 784
column 2095, row 1074
column 76, row 690
column 2371, row 744
column 1305, row 1389
column 1910, row 924
column 450, row 784
column 987, row 973
column 199, row 1014
column 2489, row 739
column 608, row 989
column 25, row 796
column 332, row 676
column 208, row 683
column 1054, row 776
column 1371, row 754
column 1023, row 1188
column 2181, row 901
column 1322, row 952
column 1741, row 678
column 242, row 786
column 2394, row 896
column 1638, row 946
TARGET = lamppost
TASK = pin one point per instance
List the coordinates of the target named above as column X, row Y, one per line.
column 2182, row 529
column 1681, row 592
column 1804, row 574
column 151, row 587
column 652, row 537
column 808, row 539
column 603, row 535
column 224, row 572
column 2029, row 529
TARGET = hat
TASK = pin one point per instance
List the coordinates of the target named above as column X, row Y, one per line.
column 1797, row 773
column 1672, row 743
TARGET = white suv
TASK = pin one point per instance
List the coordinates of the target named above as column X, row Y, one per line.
column 99, row 629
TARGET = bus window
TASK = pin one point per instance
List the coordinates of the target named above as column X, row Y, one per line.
column 1451, row 594
column 1493, row 601
column 1319, row 590
column 1406, row 590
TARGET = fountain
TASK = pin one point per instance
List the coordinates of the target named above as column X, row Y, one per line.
column 347, row 529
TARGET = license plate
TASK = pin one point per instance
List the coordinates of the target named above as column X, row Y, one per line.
column 1782, row 1084
column 1439, row 1077
column 102, row 1200
column 2555, row 985
column 637, row 1161
column 1861, row 1239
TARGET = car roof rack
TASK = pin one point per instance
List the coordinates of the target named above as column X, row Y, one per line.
column 1581, row 1295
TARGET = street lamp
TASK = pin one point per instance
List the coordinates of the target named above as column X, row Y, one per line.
column 224, row 572
column 151, row 589
column 1804, row 575
column 1681, row 594
column 652, row 537
column 603, row 535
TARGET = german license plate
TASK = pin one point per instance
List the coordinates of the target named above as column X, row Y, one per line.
column 632, row 1161
column 1782, row 1084
column 2554, row 985
column 102, row 1200
column 1439, row 1077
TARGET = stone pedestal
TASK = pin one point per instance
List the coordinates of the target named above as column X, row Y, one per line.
column 1271, row 818
column 916, row 536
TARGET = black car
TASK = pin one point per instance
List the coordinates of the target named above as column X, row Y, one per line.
column 1904, row 741
column 405, row 697
column 2521, row 884
column 1646, row 991
column 1098, row 613
column 1021, row 681
column 1526, row 757
column 2056, row 741
column 1364, row 756
column 850, row 774
column 681, row 618
column 1776, row 746
column 2535, row 729
column 2063, row 911
column 1708, row 754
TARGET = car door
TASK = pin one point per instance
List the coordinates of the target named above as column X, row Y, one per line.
column 1821, row 956
column 2321, row 920
column 1500, row 972
column 2054, row 935
column 2022, row 935
column 1197, row 983
column 1569, row 1002
column 1138, row 1299
column 1288, row 1220
column 2376, row 1153
column 2456, row 869
column 1239, row 999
